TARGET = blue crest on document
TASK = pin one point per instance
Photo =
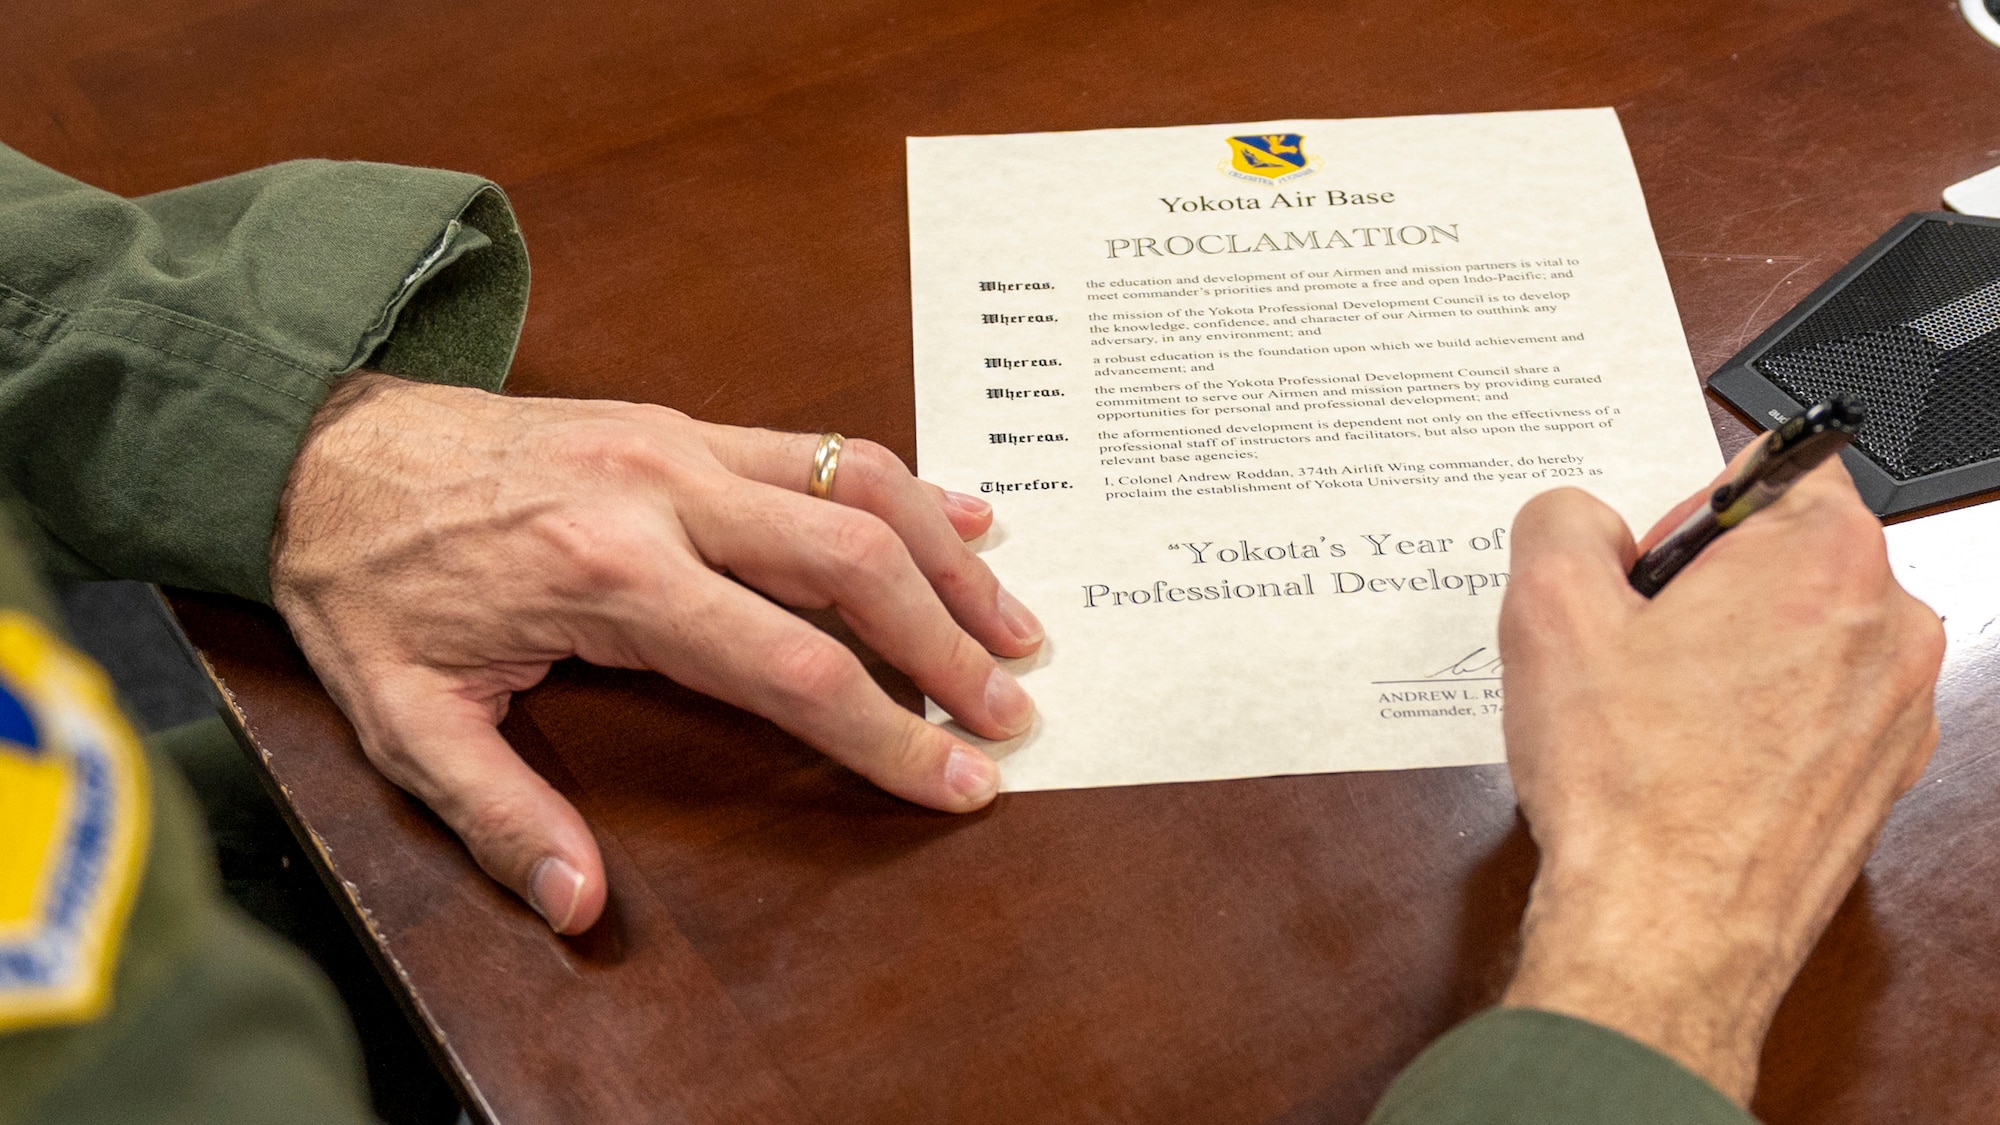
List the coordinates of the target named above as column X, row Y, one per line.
column 1270, row 158
column 74, row 822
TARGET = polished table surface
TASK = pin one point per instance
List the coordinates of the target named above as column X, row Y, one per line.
column 713, row 197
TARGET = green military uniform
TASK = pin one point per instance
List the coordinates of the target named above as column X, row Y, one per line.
column 205, row 1017
column 159, row 361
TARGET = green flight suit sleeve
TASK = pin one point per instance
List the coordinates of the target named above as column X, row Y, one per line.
column 161, row 356
column 211, row 1019
column 1521, row 1066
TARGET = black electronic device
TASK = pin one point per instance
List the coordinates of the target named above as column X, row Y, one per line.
column 1911, row 327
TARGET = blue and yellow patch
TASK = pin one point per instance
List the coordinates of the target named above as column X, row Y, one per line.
column 74, row 812
column 1271, row 157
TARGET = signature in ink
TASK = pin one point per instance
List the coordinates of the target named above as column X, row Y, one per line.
column 1479, row 662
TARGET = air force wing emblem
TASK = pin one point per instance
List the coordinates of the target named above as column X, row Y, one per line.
column 74, row 811
column 1270, row 157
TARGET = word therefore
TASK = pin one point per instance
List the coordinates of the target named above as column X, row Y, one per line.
column 1010, row 286
column 1022, row 485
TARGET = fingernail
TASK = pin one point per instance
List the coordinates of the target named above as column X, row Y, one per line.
column 970, row 505
column 553, row 890
column 1007, row 703
column 1019, row 621
column 971, row 775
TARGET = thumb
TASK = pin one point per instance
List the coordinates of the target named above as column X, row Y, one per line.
column 444, row 748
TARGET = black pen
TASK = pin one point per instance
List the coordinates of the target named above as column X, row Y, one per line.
column 1785, row 454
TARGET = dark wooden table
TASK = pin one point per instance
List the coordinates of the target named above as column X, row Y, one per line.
column 714, row 199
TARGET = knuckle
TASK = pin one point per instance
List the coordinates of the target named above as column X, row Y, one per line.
column 593, row 556
column 964, row 575
column 1541, row 611
column 617, row 450
column 870, row 468
column 1836, row 581
column 644, row 417
column 876, row 459
column 964, row 657
column 1546, row 577
column 1850, row 520
column 1564, row 515
column 1841, row 530
column 813, row 670
column 1534, row 516
column 1926, row 640
column 396, row 762
column 1834, row 554
column 497, row 822
column 660, row 415
column 861, row 547
column 914, row 751
column 1559, row 504
column 1569, row 498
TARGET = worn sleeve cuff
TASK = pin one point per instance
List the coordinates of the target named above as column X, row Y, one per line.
column 1521, row 1066
column 162, row 356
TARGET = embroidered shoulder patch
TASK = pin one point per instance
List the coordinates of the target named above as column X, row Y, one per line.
column 74, row 823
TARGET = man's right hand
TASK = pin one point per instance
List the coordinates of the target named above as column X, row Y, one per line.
column 1704, row 772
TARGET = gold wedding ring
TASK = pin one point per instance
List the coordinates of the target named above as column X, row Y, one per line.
column 826, row 460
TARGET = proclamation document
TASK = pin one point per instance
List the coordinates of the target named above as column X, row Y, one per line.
column 1257, row 404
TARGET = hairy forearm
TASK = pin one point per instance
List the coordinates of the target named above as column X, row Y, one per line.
column 1704, row 771
column 1684, row 986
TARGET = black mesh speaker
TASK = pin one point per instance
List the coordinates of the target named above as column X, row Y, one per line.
column 1912, row 328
